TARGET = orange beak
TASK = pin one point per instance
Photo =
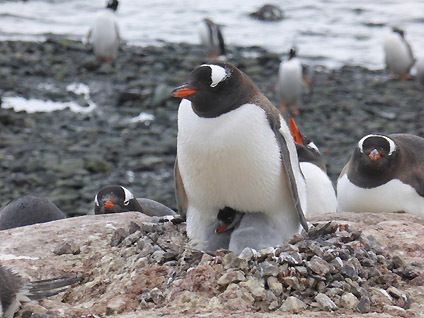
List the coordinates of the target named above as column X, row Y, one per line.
column 374, row 155
column 183, row 91
column 109, row 204
column 295, row 132
column 221, row 229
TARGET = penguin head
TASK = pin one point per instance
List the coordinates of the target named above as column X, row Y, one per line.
column 376, row 153
column 306, row 149
column 215, row 89
column 228, row 219
column 292, row 53
column 399, row 31
column 112, row 4
column 115, row 199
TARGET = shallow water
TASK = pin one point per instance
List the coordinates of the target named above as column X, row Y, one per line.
column 326, row 32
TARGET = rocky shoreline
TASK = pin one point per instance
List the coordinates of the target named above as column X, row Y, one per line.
column 68, row 156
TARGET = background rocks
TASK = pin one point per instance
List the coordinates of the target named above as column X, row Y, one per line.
column 67, row 157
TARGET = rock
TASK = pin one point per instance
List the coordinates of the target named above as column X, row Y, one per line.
column 325, row 302
column 274, row 285
column 349, row 301
column 292, row 304
column 364, row 305
column 68, row 246
column 247, row 254
column 232, row 276
column 319, row 266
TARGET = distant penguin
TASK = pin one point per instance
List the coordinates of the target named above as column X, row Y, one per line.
column 398, row 53
column 116, row 199
column 105, row 33
column 211, row 38
column 320, row 191
column 27, row 210
column 268, row 12
column 290, row 83
column 384, row 174
column 13, row 291
column 235, row 150
column 420, row 70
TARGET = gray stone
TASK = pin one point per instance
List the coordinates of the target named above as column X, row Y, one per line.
column 292, row 304
column 364, row 305
column 275, row 285
column 349, row 301
column 319, row 266
column 247, row 254
column 269, row 269
column 68, row 246
column 324, row 302
column 231, row 276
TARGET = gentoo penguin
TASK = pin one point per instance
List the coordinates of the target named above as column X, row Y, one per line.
column 384, row 174
column 320, row 191
column 420, row 70
column 290, row 83
column 116, row 199
column 105, row 33
column 235, row 150
column 268, row 12
column 398, row 53
column 220, row 231
column 13, row 291
column 211, row 38
column 28, row 209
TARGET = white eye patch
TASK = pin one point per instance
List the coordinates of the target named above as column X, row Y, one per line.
column 128, row 195
column 218, row 74
column 391, row 143
column 313, row 146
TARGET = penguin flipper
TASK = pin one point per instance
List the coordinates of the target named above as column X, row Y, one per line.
column 288, row 166
column 180, row 193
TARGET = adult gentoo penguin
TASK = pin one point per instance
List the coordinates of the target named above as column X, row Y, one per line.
column 116, row 199
column 211, row 38
column 320, row 190
column 13, row 291
column 105, row 33
column 28, row 209
column 290, row 83
column 398, row 53
column 384, row 174
column 235, row 150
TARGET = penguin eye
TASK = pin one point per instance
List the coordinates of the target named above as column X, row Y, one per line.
column 127, row 202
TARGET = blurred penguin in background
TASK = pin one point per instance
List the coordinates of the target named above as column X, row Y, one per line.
column 398, row 54
column 104, row 35
column 290, row 83
column 211, row 38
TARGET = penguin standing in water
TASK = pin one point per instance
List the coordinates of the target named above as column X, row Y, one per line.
column 320, row 190
column 234, row 150
column 211, row 38
column 398, row 54
column 104, row 34
column 384, row 174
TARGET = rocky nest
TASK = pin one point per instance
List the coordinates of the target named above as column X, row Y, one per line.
column 331, row 268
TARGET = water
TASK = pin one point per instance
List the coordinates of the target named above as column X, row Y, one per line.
column 327, row 32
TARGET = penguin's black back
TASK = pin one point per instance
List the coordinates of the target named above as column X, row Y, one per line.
column 28, row 209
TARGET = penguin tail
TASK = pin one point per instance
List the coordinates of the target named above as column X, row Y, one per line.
column 50, row 287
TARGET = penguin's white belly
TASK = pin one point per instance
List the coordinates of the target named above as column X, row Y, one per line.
column 320, row 191
column 397, row 57
column 290, row 82
column 105, row 35
column 393, row 196
column 232, row 160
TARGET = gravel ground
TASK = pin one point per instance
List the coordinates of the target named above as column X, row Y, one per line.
column 67, row 156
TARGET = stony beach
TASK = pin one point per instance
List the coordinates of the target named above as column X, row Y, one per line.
column 68, row 156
